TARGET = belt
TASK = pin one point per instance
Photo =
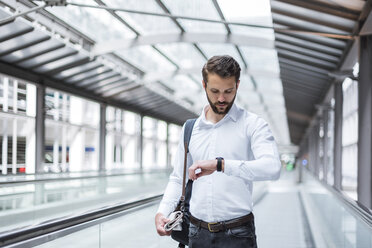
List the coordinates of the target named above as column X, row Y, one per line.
column 223, row 225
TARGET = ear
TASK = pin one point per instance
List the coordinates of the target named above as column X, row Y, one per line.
column 204, row 84
column 237, row 84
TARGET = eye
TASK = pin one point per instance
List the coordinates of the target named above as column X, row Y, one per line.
column 214, row 91
column 228, row 91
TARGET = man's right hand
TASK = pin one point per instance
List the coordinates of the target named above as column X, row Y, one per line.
column 160, row 221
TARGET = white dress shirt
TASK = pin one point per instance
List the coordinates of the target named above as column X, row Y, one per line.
column 246, row 143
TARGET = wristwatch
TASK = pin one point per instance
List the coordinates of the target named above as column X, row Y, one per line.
column 219, row 163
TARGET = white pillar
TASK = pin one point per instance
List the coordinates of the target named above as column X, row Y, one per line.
column 64, row 133
column 117, row 151
column 15, row 96
column 5, row 94
column 77, row 151
column 30, row 133
column 4, row 161
column 109, row 151
column 14, row 143
column 31, row 100
column 14, row 147
column 56, row 131
column 77, row 147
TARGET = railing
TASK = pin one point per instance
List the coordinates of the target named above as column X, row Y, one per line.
column 359, row 210
column 60, row 176
column 335, row 219
column 48, row 231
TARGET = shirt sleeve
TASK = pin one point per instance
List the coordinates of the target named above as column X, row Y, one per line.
column 266, row 165
column 173, row 190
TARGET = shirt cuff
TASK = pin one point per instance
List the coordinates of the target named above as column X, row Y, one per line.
column 232, row 167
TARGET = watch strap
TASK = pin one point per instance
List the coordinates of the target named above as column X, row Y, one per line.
column 219, row 164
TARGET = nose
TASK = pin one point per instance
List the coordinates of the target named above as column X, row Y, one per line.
column 221, row 97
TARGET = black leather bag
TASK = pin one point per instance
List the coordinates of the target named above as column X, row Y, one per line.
column 183, row 236
column 184, row 204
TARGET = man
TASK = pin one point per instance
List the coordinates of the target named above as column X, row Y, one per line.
column 231, row 148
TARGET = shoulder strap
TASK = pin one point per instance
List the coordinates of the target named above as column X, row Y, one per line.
column 188, row 131
column 186, row 138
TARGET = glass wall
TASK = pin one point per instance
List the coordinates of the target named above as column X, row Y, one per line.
column 72, row 126
column 17, row 125
column 174, row 138
column 326, row 140
column 350, row 138
column 154, row 143
column 330, row 137
column 71, row 133
column 122, row 139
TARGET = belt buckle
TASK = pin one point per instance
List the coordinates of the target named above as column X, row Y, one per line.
column 209, row 227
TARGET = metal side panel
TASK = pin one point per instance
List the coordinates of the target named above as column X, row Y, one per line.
column 64, row 75
column 88, row 74
column 62, row 63
column 33, row 51
column 21, row 42
column 48, row 57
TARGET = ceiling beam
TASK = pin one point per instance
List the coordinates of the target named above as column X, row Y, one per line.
column 313, row 16
column 174, row 20
column 46, row 81
column 325, row 8
column 161, row 75
column 240, row 40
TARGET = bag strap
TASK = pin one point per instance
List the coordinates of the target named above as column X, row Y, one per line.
column 189, row 125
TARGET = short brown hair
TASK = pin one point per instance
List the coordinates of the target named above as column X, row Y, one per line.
column 224, row 66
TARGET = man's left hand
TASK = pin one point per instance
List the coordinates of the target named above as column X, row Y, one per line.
column 207, row 167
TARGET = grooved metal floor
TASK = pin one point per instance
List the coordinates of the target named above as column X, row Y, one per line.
column 279, row 217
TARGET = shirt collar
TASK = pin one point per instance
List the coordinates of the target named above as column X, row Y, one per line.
column 232, row 114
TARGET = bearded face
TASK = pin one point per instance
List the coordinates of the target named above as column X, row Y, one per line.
column 221, row 108
column 221, row 93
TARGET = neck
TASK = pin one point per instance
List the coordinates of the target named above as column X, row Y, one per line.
column 212, row 116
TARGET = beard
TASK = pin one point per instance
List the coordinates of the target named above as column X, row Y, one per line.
column 215, row 109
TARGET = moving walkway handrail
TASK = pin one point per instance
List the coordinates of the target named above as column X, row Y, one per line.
column 94, row 217
column 70, row 176
column 355, row 207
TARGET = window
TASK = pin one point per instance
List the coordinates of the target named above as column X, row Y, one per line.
column 17, row 125
column 71, row 133
column 350, row 138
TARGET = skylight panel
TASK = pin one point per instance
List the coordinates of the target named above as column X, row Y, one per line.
column 99, row 24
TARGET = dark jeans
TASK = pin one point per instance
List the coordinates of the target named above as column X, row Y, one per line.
column 239, row 237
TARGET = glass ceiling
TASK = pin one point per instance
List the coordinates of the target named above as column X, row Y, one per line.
column 176, row 66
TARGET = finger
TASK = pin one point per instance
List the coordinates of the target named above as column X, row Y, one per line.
column 165, row 221
column 161, row 231
column 194, row 176
column 192, row 172
column 200, row 175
